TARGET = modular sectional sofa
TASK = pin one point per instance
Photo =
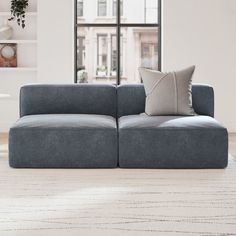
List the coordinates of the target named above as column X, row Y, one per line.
column 104, row 126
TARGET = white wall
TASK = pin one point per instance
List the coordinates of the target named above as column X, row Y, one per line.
column 55, row 54
column 203, row 33
column 55, row 41
column 12, row 79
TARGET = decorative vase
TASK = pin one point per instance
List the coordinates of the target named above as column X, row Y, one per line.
column 8, row 57
column 6, row 31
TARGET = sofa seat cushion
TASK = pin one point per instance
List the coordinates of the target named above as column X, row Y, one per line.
column 172, row 142
column 63, row 141
column 144, row 121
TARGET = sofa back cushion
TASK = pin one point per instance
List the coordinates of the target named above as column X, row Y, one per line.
column 68, row 99
column 131, row 99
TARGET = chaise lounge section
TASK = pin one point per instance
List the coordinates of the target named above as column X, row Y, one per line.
column 170, row 141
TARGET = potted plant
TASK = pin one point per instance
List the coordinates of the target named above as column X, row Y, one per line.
column 101, row 71
column 82, row 76
column 18, row 9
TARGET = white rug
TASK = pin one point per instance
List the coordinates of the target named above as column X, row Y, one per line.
column 117, row 202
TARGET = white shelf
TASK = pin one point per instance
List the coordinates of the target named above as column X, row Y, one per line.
column 3, row 95
column 18, row 69
column 27, row 13
column 19, row 41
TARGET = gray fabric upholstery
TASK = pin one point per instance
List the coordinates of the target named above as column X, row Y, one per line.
column 172, row 142
column 131, row 99
column 203, row 99
column 75, row 126
column 63, row 140
column 68, row 99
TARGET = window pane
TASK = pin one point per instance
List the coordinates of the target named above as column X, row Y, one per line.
column 96, row 11
column 140, row 49
column 80, row 8
column 115, row 7
column 114, row 55
column 102, row 53
column 102, row 7
column 96, row 55
column 146, row 11
column 97, row 45
column 81, row 52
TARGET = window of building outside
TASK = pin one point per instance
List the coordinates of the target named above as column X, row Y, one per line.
column 115, row 7
column 80, row 8
column 149, row 55
column 80, row 53
column 102, row 7
column 98, row 60
column 114, row 56
column 102, row 52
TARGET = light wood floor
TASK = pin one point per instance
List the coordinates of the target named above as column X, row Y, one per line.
column 232, row 144
column 117, row 202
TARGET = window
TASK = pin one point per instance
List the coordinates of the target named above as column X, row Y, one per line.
column 102, row 7
column 149, row 55
column 80, row 8
column 102, row 52
column 81, row 53
column 111, row 49
column 150, row 11
column 114, row 56
column 115, row 7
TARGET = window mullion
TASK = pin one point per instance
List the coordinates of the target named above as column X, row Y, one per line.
column 118, row 41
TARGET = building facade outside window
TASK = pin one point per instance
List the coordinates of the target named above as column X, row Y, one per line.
column 80, row 8
column 102, row 53
column 97, row 43
column 149, row 55
column 113, row 68
column 81, row 53
column 114, row 7
column 102, row 7
column 150, row 10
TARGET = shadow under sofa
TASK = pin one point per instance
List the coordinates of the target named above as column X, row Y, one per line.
column 103, row 126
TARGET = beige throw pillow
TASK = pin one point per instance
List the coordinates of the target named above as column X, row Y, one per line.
column 168, row 93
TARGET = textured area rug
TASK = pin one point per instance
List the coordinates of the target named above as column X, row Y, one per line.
column 117, row 202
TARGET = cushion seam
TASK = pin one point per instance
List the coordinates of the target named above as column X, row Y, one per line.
column 174, row 129
column 62, row 128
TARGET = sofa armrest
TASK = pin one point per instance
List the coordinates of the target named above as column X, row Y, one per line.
column 203, row 99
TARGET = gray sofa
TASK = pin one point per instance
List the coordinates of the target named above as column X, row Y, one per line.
column 103, row 126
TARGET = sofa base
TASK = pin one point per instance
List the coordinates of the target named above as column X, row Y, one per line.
column 172, row 142
column 63, row 141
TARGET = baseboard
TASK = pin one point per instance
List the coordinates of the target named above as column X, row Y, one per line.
column 231, row 126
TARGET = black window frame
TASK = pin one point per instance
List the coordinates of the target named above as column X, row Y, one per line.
column 114, row 6
column 118, row 25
